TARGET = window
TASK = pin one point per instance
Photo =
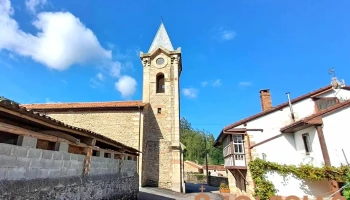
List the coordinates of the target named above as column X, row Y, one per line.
column 325, row 103
column 160, row 83
column 307, row 144
column 238, row 144
column 159, row 111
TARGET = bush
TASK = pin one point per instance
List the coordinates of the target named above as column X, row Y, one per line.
column 224, row 186
column 346, row 191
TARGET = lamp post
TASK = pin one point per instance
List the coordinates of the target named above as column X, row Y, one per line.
column 206, row 157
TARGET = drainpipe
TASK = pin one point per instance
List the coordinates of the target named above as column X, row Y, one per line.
column 290, row 106
column 250, row 156
column 138, row 163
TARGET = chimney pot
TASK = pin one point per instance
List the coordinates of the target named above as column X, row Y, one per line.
column 265, row 98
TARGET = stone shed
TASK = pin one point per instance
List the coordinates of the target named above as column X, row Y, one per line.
column 42, row 158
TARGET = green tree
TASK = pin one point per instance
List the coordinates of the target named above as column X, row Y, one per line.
column 194, row 140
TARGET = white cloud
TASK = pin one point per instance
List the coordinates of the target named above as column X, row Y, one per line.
column 228, row 35
column 204, row 83
column 126, row 85
column 225, row 34
column 49, row 101
column 97, row 80
column 217, row 83
column 115, row 69
column 100, row 76
column 245, row 83
column 33, row 4
column 190, row 92
column 61, row 41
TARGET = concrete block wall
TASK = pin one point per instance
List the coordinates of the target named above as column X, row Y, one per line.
column 23, row 162
column 101, row 165
column 129, row 167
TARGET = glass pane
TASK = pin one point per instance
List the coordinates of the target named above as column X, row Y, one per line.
column 237, row 139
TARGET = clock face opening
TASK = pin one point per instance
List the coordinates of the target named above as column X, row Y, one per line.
column 160, row 61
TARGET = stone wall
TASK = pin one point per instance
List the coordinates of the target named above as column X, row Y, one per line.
column 30, row 173
column 115, row 186
column 217, row 180
column 195, row 178
column 122, row 126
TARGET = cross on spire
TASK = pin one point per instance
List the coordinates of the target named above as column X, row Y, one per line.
column 202, row 188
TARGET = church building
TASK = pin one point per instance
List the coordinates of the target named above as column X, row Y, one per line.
column 152, row 125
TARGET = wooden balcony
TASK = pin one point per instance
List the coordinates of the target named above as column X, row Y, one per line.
column 232, row 159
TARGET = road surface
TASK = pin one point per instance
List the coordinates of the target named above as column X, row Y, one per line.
column 191, row 191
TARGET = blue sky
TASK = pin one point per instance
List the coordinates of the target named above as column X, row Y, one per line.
column 82, row 51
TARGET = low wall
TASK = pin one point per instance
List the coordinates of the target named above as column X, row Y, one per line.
column 92, row 187
column 30, row 173
column 217, row 180
column 195, row 178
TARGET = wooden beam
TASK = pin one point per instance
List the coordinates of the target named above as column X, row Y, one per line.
column 61, row 135
column 33, row 119
column 89, row 141
column 111, row 151
column 22, row 131
column 87, row 161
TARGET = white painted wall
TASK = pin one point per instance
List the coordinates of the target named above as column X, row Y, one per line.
column 289, row 148
column 336, row 130
column 339, row 93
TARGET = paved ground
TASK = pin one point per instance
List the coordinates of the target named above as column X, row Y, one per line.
column 191, row 189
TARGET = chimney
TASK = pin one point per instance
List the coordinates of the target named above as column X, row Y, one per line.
column 265, row 99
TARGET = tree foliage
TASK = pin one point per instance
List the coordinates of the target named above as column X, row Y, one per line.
column 194, row 140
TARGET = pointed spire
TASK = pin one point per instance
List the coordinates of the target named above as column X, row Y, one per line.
column 161, row 39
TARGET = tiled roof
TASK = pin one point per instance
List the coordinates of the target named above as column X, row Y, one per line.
column 329, row 110
column 293, row 101
column 13, row 106
column 215, row 167
column 194, row 164
column 278, row 107
column 56, row 106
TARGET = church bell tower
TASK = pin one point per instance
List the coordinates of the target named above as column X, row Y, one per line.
column 162, row 154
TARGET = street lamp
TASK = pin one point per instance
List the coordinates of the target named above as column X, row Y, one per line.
column 206, row 157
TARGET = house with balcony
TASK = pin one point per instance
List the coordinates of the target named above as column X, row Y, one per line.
column 303, row 130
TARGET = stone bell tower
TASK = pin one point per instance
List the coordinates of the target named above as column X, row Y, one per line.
column 162, row 154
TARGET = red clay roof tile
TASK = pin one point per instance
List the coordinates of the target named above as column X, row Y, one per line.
column 79, row 105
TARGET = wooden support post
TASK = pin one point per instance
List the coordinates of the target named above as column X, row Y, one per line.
column 87, row 161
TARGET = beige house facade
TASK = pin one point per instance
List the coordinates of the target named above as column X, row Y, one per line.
column 151, row 125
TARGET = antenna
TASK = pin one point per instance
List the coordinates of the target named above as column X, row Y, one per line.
column 335, row 83
column 161, row 19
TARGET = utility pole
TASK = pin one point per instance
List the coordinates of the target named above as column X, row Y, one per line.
column 206, row 157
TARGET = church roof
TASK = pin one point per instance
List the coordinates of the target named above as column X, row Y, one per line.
column 85, row 105
column 161, row 40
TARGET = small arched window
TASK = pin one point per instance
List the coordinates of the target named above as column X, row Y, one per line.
column 160, row 83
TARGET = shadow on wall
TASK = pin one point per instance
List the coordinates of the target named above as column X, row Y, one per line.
column 318, row 188
column 151, row 146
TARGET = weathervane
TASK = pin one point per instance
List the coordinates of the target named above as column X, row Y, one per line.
column 331, row 72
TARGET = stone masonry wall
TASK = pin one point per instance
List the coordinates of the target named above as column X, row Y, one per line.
column 122, row 126
column 157, row 157
column 30, row 173
column 115, row 186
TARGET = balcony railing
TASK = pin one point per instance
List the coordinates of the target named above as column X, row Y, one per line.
column 233, row 159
